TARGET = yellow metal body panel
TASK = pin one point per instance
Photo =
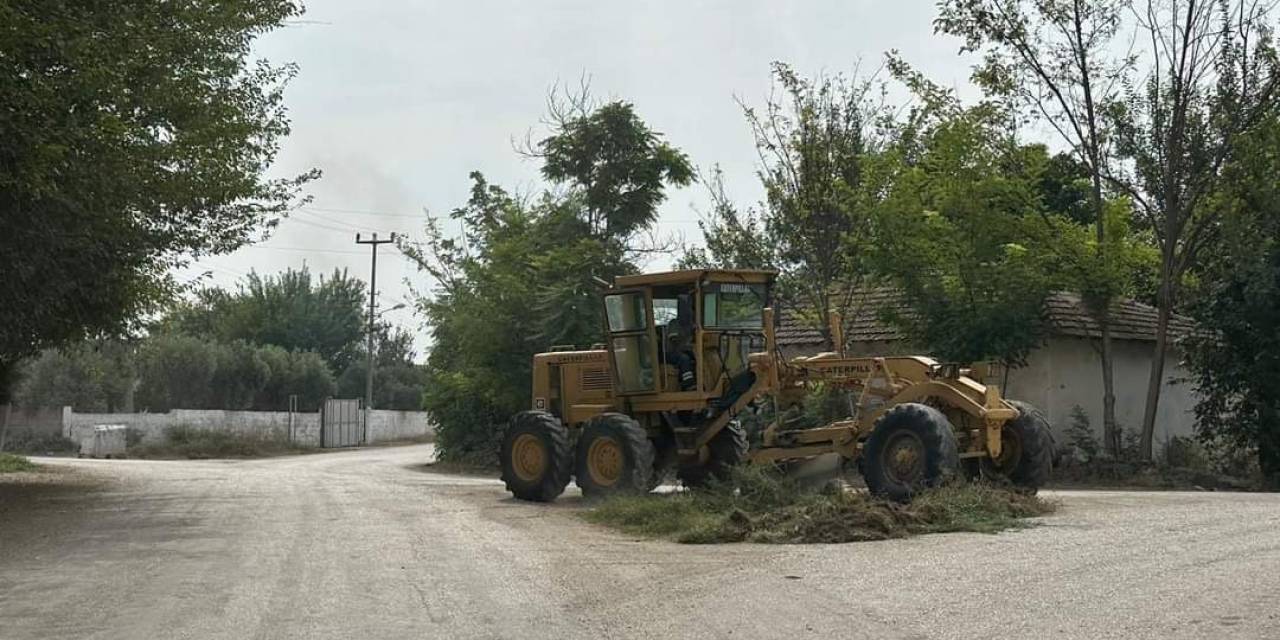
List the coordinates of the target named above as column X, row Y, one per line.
column 577, row 385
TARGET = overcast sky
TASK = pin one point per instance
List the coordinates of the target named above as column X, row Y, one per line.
column 397, row 101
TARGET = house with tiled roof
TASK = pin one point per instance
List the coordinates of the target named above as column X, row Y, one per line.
column 1065, row 372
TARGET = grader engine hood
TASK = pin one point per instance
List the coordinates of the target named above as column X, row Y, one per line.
column 572, row 385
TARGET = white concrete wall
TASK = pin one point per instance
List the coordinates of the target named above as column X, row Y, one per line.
column 389, row 426
column 384, row 426
column 1067, row 372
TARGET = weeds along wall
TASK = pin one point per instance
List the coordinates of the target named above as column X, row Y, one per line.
column 384, row 425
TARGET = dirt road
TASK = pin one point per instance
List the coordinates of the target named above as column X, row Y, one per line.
column 364, row 544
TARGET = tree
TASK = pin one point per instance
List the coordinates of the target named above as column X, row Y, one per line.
column 176, row 372
column 1236, row 360
column 961, row 233
column 815, row 224
column 88, row 377
column 616, row 163
column 733, row 240
column 1056, row 59
column 134, row 135
column 398, row 382
column 289, row 310
column 521, row 278
column 1211, row 80
column 239, row 375
column 300, row 373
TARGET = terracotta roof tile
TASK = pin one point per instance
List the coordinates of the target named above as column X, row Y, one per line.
column 1067, row 315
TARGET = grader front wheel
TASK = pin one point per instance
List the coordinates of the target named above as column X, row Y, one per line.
column 912, row 447
column 614, row 456
column 1026, row 451
column 535, row 456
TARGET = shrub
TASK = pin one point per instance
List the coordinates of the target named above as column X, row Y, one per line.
column 10, row 463
column 1185, row 453
column 1080, row 434
column 188, row 442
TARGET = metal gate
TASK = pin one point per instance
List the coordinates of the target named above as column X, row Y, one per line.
column 341, row 423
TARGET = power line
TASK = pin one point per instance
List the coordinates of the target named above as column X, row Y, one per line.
column 333, row 221
column 422, row 216
column 366, row 212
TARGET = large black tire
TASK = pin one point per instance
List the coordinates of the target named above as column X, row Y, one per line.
column 727, row 450
column 912, row 447
column 1026, row 457
column 613, row 456
column 535, row 456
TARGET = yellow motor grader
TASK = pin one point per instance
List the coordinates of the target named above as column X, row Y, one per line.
column 689, row 353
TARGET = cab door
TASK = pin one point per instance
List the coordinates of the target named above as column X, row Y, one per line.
column 633, row 347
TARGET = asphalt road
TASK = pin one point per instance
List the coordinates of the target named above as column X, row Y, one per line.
column 365, row 544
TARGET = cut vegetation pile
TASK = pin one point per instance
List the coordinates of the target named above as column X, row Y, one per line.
column 10, row 463
column 771, row 509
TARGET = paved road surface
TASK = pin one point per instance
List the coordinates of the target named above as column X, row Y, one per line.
column 364, row 544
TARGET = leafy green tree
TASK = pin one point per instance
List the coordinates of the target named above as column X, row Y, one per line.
column 135, row 135
column 176, row 372
column 398, row 382
column 1214, row 81
column 1236, row 359
column 616, row 163
column 290, row 310
column 522, row 277
column 239, row 376
column 301, row 373
column 88, row 377
column 816, row 222
column 961, row 234
column 1059, row 61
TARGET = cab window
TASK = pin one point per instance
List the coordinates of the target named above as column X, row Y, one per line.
column 733, row 305
column 625, row 311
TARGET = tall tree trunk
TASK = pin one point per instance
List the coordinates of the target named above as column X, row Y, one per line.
column 1156, row 381
column 1110, row 430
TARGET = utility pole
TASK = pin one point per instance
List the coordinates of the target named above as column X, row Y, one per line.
column 373, row 298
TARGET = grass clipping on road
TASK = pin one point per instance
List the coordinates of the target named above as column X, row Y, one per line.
column 10, row 463
column 759, row 506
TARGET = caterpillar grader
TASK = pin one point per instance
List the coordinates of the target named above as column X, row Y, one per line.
column 689, row 353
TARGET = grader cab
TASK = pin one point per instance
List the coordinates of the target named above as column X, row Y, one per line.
column 689, row 352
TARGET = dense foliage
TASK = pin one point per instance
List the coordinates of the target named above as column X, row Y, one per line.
column 135, row 134
column 521, row 280
column 291, row 310
column 1237, row 358
column 252, row 348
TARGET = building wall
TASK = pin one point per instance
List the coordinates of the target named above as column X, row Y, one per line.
column 384, row 426
column 18, row 423
column 1067, row 372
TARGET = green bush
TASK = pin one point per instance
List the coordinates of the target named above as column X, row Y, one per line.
column 10, row 463
column 188, row 442
column 1185, row 453
column 31, row 443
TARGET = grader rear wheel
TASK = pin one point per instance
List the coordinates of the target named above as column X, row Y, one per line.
column 614, row 455
column 912, row 447
column 1026, row 451
column 535, row 456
